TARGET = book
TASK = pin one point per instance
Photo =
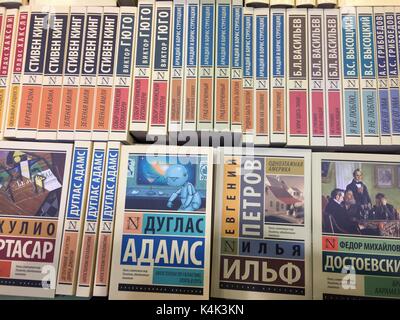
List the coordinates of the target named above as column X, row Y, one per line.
column 333, row 85
column 72, row 71
column 350, row 79
column 88, row 252
column 326, row 3
column 306, row 3
column 122, row 104
column 11, row 4
column 236, row 66
column 74, row 3
column 278, row 99
column 368, row 87
column 143, row 69
column 13, row 101
column 34, row 179
column 162, row 236
column 316, row 64
column 394, row 99
column 364, row 3
column 160, row 81
column 74, row 218
column 355, row 226
column 88, row 75
column 261, row 62
column 223, row 31
column 9, row 35
column 106, row 228
column 177, row 67
column 206, row 91
column 382, row 76
column 50, row 105
column 282, row 3
column 262, row 227
column 256, row 3
column 248, row 103
column 190, row 94
column 32, row 79
column 297, row 80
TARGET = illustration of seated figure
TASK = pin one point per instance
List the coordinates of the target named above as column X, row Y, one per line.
column 177, row 176
column 382, row 210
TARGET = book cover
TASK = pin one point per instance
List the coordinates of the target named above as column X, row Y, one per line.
column 316, row 64
column 262, row 225
column 106, row 228
column 206, row 102
column 143, row 68
column 88, row 75
column 261, row 61
column 333, row 89
column 13, row 102
column 105, row 74
column 122, row 104
column 356, row 226
column 71, row 77
column 53, row 74
column 278, row 99
column 161, row 69
column 34, row 181
column 32, row 80
column 297, row 80
column 190, row 96
column 368, row 86
column 162, row 237
column 350, row 82
column 88, row 252
column 74, row 215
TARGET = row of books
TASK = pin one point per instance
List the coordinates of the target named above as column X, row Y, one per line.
column 144, row 221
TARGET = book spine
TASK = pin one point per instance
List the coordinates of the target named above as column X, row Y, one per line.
column 7, row 54
column 121, row 107
column 91, row 224
column 261, row 47
column 108, row 208
column 278, row 77
column 394, row 98
column 248, row 103
column 317, row 78
column 206, row 66
column 13, row 103
column 297, row 118
column 236, row 66
column 222, row 111
column 71, row 79
column 190, row 96
column 368, row 93
column 382, row 74
column 161, row 69
column 351, row 96
column 88, row 76
column 333, row 93
column 143, row 68
column 31, row 91
column 105, row 75
column 177, row 71
column 75, row 212
column 53, row 75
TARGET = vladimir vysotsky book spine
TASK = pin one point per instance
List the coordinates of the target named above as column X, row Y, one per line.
column 143, row 68
column 158, row 120
column 368, row 94
column 120, row 115
column 75, row 213
column 71, row 78
column 105, row 74
column 382, row 75
column 394, row 89
column 177, row 64
column 13, row 101
column 32, row 80
column 47, row 124
column 7, row 54
column 207, row 43
column 88, row 76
